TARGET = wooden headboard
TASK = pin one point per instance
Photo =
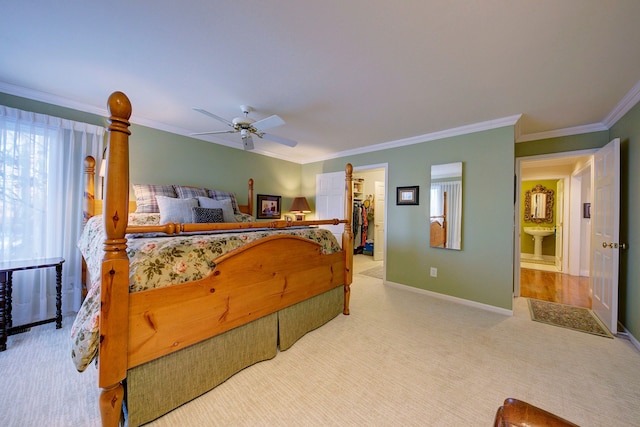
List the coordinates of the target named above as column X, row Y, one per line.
column 93, row 206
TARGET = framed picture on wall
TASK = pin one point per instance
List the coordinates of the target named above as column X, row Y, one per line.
column 268, row 206
column 586, row 210
column 407, row 195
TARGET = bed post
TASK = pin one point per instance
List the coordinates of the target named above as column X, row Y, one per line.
column 347, row 236
column 251, row 197
column 114, row 299
column 88, row 198
column 88, row 210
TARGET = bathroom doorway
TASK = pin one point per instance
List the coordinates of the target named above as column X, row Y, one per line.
column 552, row 253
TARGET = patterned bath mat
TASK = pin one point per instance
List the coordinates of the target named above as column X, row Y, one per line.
column 567, row 316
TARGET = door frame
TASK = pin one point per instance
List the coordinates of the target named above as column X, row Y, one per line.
column 385, row 166
column 518, row 202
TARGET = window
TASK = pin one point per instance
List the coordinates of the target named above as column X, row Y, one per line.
column 41, row 184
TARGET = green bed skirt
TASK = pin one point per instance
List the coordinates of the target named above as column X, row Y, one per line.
column 159, row 386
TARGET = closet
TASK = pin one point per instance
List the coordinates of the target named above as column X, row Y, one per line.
column 363, row 216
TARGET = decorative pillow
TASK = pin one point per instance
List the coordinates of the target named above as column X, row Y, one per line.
column 146, row 196
column 186, row 192
column 224, row 195
column 206, row 214
column 175, row 210
column 225, row 205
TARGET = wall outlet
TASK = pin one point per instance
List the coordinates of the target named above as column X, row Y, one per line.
column 434, row 272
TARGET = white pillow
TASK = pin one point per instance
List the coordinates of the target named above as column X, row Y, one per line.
column 225, row 205
column 175, row 210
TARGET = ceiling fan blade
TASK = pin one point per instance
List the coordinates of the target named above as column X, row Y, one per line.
column 279, row 139
column 212, row 132
column 206, row 113
column 247, row 142
column 268, row 123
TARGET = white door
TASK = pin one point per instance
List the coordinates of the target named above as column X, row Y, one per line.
column 605, row 215
column 330, row 194
column 378, row 221
column 559, row 224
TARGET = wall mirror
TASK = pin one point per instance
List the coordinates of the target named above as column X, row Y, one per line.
column 445, row 222
column 538, row 205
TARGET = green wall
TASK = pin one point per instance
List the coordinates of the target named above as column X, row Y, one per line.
column 563, row 144
column 483, row 270
column 628, row 130
column 158, row 157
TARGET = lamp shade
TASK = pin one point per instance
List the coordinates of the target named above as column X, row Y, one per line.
column 300, row 205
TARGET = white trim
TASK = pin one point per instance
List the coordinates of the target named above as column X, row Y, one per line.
column 49, row 98
column 577, row 130
column 623, row 107
column 462, row 301
column 558, row 155
column 385, row 167
column 517, row 213
column 461, row 130
column 628, row 335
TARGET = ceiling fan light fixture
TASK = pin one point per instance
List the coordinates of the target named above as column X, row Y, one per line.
column 246, row 126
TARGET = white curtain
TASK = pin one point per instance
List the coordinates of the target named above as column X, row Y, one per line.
column 41, row 186
column 454, row 209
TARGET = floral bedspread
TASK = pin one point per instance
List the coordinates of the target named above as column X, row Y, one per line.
column 159, row 261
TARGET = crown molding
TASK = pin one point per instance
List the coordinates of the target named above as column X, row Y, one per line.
column 629, row 101
column 461, row 130
column 49, row 98
column 626, row 103
column 59, row 101
column 576, row 130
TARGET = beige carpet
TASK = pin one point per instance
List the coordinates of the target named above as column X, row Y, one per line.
column 400, row 358
column 373, row 272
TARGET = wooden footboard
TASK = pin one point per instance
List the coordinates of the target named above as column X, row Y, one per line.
column 248, row 283
column 251, row 282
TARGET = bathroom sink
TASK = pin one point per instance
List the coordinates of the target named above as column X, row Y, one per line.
column 539, row 231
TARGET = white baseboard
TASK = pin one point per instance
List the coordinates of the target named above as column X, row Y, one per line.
column 631, row 338
column 457, row 300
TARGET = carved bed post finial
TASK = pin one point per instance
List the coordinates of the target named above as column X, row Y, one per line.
column 114, row 298
column 89, row 188
column 250, row 196
column 347, row 235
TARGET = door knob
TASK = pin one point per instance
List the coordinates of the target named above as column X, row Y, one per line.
column 614, row 245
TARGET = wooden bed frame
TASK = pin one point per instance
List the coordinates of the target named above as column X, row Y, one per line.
column 133, row 327
column 437, row 231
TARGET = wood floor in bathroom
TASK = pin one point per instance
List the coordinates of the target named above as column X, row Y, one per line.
column 555, row 287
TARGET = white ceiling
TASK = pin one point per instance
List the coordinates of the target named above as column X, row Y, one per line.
column 343, row 74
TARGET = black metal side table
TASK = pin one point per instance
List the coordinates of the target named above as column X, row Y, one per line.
column 6, row 272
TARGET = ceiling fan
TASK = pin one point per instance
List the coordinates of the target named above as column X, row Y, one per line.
column 247, row 127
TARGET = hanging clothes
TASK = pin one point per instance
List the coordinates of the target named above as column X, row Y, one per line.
column 365, row 226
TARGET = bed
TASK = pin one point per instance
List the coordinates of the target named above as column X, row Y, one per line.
column 438, row 227
column 161, row 346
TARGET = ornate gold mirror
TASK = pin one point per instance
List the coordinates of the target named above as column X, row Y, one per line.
column 538, row 205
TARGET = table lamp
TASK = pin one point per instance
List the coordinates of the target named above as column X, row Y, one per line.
column 300, row 207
